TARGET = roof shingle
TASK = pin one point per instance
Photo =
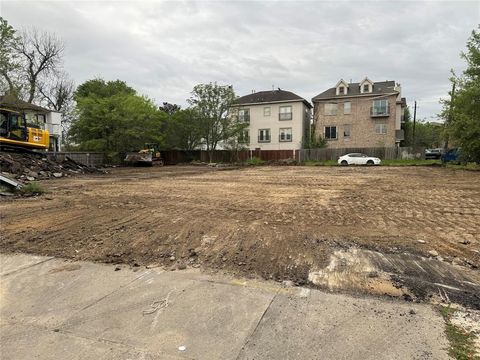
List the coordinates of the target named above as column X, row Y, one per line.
column 379, row 88
column 271, row 96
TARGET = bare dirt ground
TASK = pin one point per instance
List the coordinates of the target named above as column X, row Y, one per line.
column 282, row 223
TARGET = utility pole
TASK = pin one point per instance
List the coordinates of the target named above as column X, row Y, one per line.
column 414, row 122
column 450, row 117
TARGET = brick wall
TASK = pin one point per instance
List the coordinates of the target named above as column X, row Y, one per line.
column 362, row 125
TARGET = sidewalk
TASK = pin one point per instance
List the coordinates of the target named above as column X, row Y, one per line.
column 56, row 309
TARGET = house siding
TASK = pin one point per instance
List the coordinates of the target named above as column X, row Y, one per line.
column 258, row 121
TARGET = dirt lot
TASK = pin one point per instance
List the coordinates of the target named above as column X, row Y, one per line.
column 274, row 222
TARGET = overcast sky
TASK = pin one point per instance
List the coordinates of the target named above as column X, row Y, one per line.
column 163, row 49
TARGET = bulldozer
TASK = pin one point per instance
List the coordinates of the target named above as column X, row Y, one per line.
column 149, row 156
column 15, row 134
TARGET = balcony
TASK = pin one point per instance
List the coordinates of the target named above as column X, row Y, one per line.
column 379, row 111
column 285, row 116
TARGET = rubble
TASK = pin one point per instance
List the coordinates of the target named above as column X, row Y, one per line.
column 25, row 167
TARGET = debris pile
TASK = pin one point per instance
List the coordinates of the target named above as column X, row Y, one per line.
column 30, row 167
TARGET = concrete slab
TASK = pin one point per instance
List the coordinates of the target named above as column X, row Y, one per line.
column 25, row 342
column 16, row 262
column 70, row 310
column 212, row 320
column 327, row 326
column 52, row 291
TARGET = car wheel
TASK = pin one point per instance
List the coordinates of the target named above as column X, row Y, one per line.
column 344, row 163
column 370, row 162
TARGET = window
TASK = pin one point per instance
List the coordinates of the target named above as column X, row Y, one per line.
column 285, row 134
column 41, row 119
column 347, row 129
column 330, row 132
column 244, row 115
column 380, row 107
column 381, row 128
column 264, row 135
column 266, row 111
column 347, row 108
column 341, row 90
column 244, row 137
column 331, row 109
column 285, row 113
column 366, row 88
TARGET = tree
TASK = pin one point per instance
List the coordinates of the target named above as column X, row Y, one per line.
column 462, row 111
column 112, row 118
column 212, row 103
column 184, row 130
column 407, row 127
column 428, row 134
column 9, row 64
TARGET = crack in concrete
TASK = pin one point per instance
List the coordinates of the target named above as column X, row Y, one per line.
column 27, row 267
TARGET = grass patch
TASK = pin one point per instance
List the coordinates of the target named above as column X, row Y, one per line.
column 462, row 345
column 33, row 188
column 320, row 163
column 255, row 161
column 412, row 162
column 468, row 166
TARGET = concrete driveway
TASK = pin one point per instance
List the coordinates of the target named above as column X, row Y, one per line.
column 56, row 309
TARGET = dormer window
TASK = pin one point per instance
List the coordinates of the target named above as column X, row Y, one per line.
column 341, row 88
column 366, row 86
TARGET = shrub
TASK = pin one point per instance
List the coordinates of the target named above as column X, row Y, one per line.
column 33, row 188
column 255, row 161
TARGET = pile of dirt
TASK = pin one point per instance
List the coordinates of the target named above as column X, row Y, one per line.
column 26, row 167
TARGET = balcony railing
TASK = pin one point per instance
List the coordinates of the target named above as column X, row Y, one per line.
column 264, row 139
column 379, row 112
column 285, row 116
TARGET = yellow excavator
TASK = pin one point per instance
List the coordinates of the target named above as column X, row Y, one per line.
column 14, row 132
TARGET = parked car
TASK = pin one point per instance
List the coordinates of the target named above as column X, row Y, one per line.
column 433, row 154
column 358, row 159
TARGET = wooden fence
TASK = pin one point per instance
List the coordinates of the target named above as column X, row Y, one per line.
column 384, row 153
column 84, row 158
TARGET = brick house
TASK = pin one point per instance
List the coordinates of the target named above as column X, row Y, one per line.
column 364, row 114
column 278, row 119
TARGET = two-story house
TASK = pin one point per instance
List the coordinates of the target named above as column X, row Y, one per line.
column 38, row 116
column 277, row 119
column 364, row 114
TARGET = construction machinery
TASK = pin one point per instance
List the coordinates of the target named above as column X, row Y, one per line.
column 148, row 156
column 14, row 132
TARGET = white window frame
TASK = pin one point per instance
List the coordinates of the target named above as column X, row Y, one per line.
column 381, row 129
column 242, row 113
column 261, row 133
column 267, row 110
column 325, row 132
column 349, row 108
column 287, row 134
column 282, row 112
column 330, row 109
column 347, row 128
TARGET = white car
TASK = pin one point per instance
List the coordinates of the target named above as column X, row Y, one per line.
column 358, row 159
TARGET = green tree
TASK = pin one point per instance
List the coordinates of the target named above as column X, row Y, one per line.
column 428, row 134
column 462, row 111
column 184, row 130
column 9, row 64
column 407, row 127
column 112, row 118
column 212, row 103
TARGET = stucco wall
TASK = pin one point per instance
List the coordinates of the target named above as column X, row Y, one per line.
column 361, row 123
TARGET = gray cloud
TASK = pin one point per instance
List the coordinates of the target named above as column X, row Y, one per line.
column 163, row 49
